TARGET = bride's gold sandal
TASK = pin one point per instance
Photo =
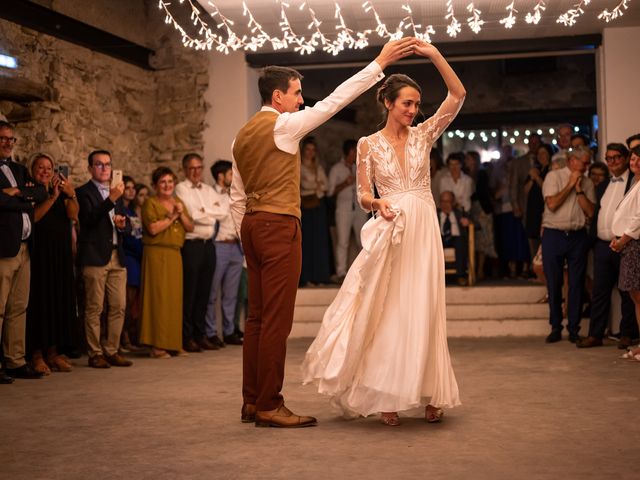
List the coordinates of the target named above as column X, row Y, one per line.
column 390, row 418
column 433, row 414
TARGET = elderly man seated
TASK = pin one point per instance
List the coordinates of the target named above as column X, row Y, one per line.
column 453, row 228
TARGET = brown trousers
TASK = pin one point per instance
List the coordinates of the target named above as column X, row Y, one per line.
column 15, row 276
column 273, row 248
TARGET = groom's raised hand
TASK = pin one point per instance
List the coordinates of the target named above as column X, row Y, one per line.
column 396, row 50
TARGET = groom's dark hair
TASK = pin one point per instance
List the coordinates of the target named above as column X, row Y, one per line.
column 275, row 78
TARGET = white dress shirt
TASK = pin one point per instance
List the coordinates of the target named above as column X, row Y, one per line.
column 203, row 205
column 290, row 128
column 612, row 197
column 462, row 189
column 626, row 219
column 347, row 197
column 26, row 222
column 227, row 230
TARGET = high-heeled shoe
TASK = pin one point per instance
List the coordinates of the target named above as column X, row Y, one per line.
column 390, row 418
column 433, row 415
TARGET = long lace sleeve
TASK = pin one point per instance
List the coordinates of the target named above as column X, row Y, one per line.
column 435, row 126
column 364, row 173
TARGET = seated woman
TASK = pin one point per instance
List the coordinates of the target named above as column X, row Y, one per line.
column 51, row 314
column 165, row 221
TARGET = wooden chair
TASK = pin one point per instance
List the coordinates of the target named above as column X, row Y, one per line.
column 450, row 258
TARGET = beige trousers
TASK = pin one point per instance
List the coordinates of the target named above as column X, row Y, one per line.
column 15, row 277
column 112, row 279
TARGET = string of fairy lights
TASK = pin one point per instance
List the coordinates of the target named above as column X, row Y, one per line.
column 338, row 36
column 512, row 136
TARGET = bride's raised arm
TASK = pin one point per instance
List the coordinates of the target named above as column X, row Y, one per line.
column 448, row 110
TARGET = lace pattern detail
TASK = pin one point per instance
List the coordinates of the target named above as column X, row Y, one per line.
column 378, row 164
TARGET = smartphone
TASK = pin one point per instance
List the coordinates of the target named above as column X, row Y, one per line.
column 63, row 170
column 116, row 178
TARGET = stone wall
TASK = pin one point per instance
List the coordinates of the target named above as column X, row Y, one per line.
column 143, row 117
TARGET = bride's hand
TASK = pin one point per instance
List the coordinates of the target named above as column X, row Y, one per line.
column 384, row 208
column 425, row 49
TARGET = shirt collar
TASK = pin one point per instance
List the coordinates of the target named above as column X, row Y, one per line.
column 101, row 187
column 267, row 108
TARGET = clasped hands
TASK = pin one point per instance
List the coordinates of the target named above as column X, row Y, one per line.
column 405, row 47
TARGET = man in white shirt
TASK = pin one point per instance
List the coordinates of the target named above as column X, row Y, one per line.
column 349, row 216
column 569, row 202
column 458, row 182
column 606, row 262
column 229, row 259
column 198, row 253
column 267, row 163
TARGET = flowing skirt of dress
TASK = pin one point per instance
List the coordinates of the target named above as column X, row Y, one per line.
column 382, row 345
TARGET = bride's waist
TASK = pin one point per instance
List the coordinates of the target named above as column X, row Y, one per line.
column 422, row 192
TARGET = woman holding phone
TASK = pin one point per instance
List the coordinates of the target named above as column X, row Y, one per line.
column 51, row 314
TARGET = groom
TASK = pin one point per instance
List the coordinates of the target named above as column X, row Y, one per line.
column 265, row 202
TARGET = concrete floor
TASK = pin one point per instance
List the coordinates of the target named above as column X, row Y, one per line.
column 529, row 410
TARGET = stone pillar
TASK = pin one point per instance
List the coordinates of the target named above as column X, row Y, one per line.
column 233, row 97
column 618, row 93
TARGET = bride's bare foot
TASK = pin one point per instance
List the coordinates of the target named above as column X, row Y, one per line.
column 433, row 414
column 390, row 418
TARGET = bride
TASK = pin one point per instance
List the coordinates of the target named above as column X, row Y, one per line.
column 382, row 346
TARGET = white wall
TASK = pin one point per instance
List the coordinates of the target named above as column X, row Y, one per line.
column 234, row 98
column 618, row 92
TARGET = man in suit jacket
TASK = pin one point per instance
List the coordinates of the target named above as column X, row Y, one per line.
column 606, row 262
column 101, row 257
column 453, row 228
column 17, row 197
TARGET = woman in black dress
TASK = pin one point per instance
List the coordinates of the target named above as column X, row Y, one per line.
column 535, row 200
column 51, row 315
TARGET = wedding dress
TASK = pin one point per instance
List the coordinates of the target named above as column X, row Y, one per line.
column 382, row 345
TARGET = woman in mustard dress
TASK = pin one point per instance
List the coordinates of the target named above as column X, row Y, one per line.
column 165, row 221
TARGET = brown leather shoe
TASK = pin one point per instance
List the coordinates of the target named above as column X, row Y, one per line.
column 626, row 342
column 588, row 342
column 282, row 417
column 98, row 361
column 191, row 346
column 118, row 360
column 248, row 413
column 205, row 344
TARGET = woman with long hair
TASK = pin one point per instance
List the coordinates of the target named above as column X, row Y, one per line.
column 382, row 347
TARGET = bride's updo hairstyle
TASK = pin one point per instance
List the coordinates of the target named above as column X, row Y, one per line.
column 390, row 89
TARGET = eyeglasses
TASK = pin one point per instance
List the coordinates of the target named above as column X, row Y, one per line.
column 613, row 158
column 9, row 140
column 101, row 166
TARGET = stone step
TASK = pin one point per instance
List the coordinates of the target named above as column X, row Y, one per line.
column 315, row 313
column 454, row 295
column 505, row 327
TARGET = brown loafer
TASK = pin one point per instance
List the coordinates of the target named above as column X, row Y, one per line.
column 588, row 342
column 98, row 361
column 248, row 413
column 282, row 417
column 118, row 360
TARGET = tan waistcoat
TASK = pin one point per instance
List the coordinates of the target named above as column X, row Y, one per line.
column 271, row 177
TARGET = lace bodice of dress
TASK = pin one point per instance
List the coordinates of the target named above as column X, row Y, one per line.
column 378, row 163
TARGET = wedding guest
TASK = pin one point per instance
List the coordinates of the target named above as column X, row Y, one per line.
column 626, row 230
column 103, row 224
column 563, row 142
column 229, row 260
column 534, row 198
column 165, row 221
column 436, row 170
column 519, row 173
column 456, row 181
column 315, row 229
column 51, row 315
column 133, row 198
column 598, row 173
column 453, row 229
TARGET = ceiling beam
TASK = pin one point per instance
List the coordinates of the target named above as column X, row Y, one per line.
column 44, row 20
column 467, row 50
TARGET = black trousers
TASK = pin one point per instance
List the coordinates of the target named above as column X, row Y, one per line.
column 606, row 267
column 460, row 245
column 559, row 246
column 198, row 266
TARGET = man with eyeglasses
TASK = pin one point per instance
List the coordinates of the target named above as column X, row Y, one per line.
column 103, row 223
column 606, row 262
column 198, row 254
column 569, row 202
column 17, row 198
